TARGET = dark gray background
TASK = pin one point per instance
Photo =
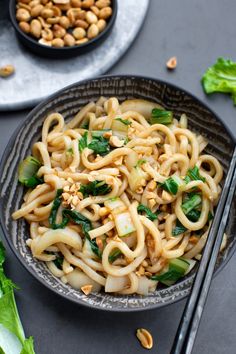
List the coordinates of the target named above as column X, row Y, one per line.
column 197, row 32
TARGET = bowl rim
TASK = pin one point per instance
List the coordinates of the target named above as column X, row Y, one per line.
column 56, row 94
column 111, row 22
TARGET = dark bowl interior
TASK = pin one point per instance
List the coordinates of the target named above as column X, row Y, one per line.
column 65, row 52
column 67, row 102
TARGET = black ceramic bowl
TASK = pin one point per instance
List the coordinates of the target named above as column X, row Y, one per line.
column 68, row 102
column 65, row 52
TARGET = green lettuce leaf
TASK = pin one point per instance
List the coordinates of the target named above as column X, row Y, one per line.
column 221, row 77
column 12, row 337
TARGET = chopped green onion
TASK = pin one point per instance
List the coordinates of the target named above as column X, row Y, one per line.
column 95, row 188
column 191, row 204
column 160, row 116
column 124, row 121
column 150, row 215
column 177, row 269
column 28, row 169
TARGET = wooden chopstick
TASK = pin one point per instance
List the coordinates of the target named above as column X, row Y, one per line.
column 187, row 330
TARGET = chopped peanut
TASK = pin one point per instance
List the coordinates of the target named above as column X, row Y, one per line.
column 87, row 289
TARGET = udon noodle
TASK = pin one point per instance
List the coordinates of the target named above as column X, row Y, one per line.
column 120, row 198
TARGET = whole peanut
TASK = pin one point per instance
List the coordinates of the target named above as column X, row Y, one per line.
column 7, row 70
column 36, row 10
column 34, row 3
column 81, row 41
column 79, row 33
column 35, row 28
column 86, row 4
column 101, row 25
column 105, row 13
column 24, row 26
column 81, row 23
column 58, row 31
column 91, row 17
column 102, row 3
column 46, row 13
column 64, row 22
column 69, row 40
column 23, row 15
column 76, row 3
column 58, row 43
column 95, row 10
column 92, row 31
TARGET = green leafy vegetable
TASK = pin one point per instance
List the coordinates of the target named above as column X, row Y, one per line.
column 95, row 188
column 100, row 145
column 58, row 262
column 124, row 121
column 191, row 204
column 126, row 141
column 85, row 125
column 177, row 269
column 114, row 255
column 160, row 116
column 28, row 169
column 53, row 214
column 193, row 215
column 221, row 77
column 83, row 142
column 76, row 217
column 172, row 184
column 12, row 338
column 150, row 215
column 179, row 229
column 194, row 175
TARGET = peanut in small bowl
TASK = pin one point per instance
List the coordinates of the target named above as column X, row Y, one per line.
column 62, row 28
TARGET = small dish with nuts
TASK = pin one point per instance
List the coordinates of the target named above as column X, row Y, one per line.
column 62, row 28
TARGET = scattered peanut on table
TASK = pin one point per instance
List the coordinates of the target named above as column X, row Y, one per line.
column 145, row 338
column 7, row 70
column 63, row 23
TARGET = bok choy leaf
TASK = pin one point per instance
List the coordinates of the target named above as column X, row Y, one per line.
column 12, row 337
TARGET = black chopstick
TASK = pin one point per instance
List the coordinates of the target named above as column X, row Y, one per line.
column 191, row 317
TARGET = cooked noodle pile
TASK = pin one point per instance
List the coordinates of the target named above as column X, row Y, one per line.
column 121, row 197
